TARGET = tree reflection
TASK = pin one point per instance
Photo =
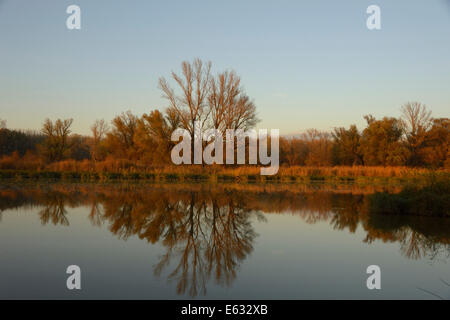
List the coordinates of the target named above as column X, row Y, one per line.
column 206, row 234
column 207, row 230
column 54, row 210
column 419, row 237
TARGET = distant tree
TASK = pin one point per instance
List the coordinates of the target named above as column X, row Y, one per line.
column 153, row 136
column 79, row 147
column 56, row 142
column 293, row 151
column 19, row 141
column 2, row 124
column 416, row 121
column 381, row 142
column 436, row 149
column 346, row 149
column 319, row 148
column 99, row 130
column 120, row 139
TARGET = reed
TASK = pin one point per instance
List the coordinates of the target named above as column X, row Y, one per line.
column 124, row 170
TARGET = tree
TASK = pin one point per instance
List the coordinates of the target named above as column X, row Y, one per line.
column 120, row 139
column 190, row 104
column 381, row 142
column 319, row 148
column 79, row 147
column 436, row 150
column 293, row 151
column 153, row 136
column 416, row 121
column 99, row 130
column 224, row 91
column 346, row 149
column 2, row 124
column 22, row 142
column 241, row 114
column 56, row 142
column 229, row 107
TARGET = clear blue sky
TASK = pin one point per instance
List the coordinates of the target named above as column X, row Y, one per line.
column 305, row 63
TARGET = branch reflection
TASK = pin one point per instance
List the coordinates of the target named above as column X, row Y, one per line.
column 208, row 230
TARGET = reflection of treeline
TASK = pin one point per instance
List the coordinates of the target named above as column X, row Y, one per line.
column 15, row 196
column 207, row 235
column 207, row 230
column 171, row 213
column 134, row 143
column 419, row 236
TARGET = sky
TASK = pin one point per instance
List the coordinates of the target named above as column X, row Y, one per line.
column 306, row 64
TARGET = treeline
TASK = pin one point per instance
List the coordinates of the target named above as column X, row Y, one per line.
column 145, row 141
column 219, row 102
column 20, row 142
column 133, row 141
column 415, row 139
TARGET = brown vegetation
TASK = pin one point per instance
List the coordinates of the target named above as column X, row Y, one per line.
column 143, row 143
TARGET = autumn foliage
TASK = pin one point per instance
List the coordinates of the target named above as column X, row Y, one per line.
column 142, row 143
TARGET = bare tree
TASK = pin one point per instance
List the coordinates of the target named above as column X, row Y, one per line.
column 98, row 129
column 2, row 124
column 242, row 114
column 416, row 118
column 190, row 104
column 229, row 107
column 416, row 121
column 224, row 91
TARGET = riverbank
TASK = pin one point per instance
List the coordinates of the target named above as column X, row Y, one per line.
column 430, row 198
column 356, row 174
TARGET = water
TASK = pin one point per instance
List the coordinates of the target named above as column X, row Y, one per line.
column 177, row 241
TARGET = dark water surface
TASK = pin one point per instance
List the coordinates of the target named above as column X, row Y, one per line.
column 173, row 241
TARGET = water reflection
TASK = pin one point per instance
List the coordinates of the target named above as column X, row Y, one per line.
column 207, row 233
column 207, row 230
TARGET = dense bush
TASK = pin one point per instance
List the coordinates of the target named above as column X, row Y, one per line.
column 430, row 199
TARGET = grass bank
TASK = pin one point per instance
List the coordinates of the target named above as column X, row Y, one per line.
column 247, row 174
column 430, row 198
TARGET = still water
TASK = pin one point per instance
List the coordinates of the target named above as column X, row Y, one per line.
column 230, row 241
